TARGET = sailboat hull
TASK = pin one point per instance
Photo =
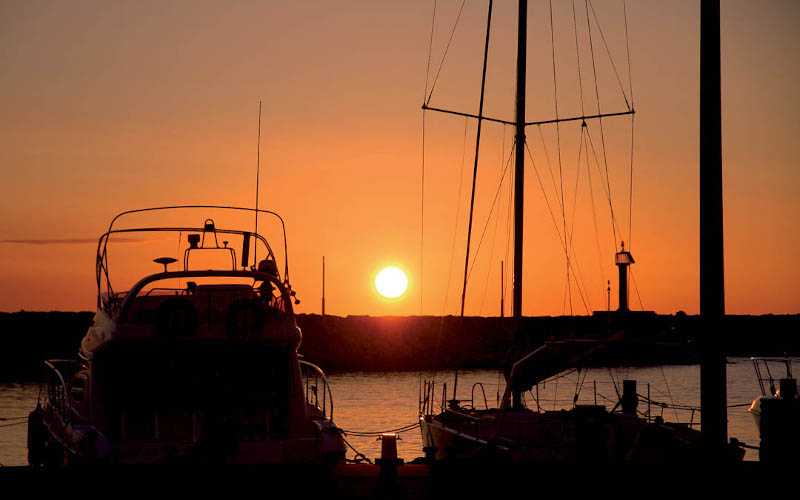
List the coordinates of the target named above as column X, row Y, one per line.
column 587, row 433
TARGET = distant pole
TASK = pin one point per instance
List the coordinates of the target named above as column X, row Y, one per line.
column 323, row 285
column 502, row 295
column 713, row 385
column 258, row 172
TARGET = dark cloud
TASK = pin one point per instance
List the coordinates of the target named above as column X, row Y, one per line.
column 71, row 241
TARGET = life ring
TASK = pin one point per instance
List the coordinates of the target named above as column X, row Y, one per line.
column 245, row 319
column 176, row 317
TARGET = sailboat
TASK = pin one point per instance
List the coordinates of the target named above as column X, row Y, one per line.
column 512, row 432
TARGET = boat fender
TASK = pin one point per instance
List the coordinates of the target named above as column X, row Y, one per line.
column 37, row 437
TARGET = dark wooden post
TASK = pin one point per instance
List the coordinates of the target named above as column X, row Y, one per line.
column 713, row 388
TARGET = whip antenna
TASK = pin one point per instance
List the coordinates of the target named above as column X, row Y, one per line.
column 258, row 168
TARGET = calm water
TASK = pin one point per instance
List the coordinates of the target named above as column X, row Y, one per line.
column 372, row 402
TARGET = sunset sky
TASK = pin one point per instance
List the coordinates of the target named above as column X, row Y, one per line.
column 109, row 106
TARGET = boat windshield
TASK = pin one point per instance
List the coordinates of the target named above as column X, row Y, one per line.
column 165, row 242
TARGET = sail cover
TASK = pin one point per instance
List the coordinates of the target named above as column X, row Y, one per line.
column 553, row 357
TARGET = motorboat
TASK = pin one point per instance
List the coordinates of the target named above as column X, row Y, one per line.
column 776, row 411
column 195, row 364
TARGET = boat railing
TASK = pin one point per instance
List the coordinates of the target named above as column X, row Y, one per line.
column 765, row 377
column 55, row 389
column 483, row 391
column 312, row 376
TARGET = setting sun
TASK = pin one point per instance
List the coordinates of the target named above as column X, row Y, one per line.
column 391, row 282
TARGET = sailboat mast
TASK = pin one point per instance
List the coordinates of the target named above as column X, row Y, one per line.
column 519, row 170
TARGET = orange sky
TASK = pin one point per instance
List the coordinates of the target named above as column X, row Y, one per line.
column 110, row 106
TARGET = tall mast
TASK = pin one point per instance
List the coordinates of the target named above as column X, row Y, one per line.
column 519, row 170
column 713, row 386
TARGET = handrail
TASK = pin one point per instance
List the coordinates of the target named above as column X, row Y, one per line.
column 102, row 255
column 54, row 399
column 326, row 393
column 256, row 275
column 485, row 402
column 786, row 361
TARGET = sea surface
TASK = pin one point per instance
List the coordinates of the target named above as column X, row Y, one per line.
column 370, row 402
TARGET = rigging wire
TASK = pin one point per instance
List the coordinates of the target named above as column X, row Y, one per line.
column 635, row 287
column 669, row 393
column 509, row 217
column 422, row 182
column 452, row 255
column 630, row 87
column 628, row 50
column 610, row 58
column 430, row 51
column 549, row 165
column 258, row 169
column 630, row 199
column 606, row 189
column 549, row 208
column 475, row 167
column 594, row 218
column 494, row 241
column 491, row 211
column 447, row 48
column 602, row 135
column 422, row 215
column 578, row 275
column 558, row 143
column 578, row 56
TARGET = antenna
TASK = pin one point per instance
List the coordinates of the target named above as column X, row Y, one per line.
column 258, row 168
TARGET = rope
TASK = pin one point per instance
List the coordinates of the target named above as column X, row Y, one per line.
column 399, row 430
column 360, row 457
column 15, row 423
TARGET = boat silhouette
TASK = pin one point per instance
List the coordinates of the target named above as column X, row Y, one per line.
column 196, row 365
column 456, row 430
